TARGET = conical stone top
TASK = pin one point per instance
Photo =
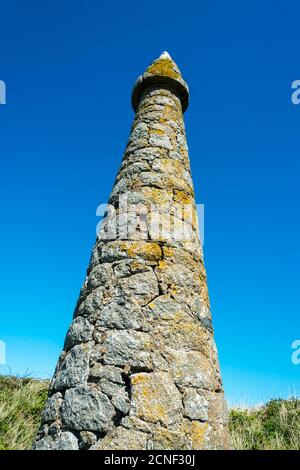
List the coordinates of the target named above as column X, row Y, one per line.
column 165, row 55
column 164, row 72
column 139, row 368
column 164, row 65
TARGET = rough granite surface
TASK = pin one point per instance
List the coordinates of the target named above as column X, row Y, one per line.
column 139, row 369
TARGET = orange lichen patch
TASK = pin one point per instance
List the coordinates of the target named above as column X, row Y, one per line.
column 157, row 131
column 155, row 398
column 118, row 246
column 136, row 266
column 184, row 154
column 168, row 165
column 166, row 181
column 147, row 250
column 164, row 67
column 185, row 258
column 173, row 290
column 169, row 439
column 162, row 265
column 148, row 346
column 173, row 181
column 151, row 409
column 171, row 113
column 123, row 245
column 182, row 198
column 197, row 432
column 138, row 379
column 168, row 251
column 163, row 121
column 156, row 195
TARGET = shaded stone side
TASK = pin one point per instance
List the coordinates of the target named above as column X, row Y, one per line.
column 139, row 368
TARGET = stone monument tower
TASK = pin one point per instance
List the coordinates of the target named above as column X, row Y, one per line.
column 139, row 369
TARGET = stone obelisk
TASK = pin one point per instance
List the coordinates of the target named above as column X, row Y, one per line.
column 139, row 369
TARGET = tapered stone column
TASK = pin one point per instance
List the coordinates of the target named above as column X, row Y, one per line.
column 139, row 369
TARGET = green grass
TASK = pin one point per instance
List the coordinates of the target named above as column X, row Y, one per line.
column 273, row 426
column 21, row 404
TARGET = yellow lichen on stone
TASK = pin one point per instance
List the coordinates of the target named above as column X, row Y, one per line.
column 170, row 113
column 149, row 251
column 173, row 290
column 184, row 153
column 121, row 438
column 122, row 245
column 197, row 432
column 168, row 165
column 169, row 439
column 136, row 266
column 151, row 409
column 183, row 198
column 156, row 195
column 168, row 251
column 163, row 67
column 157, row 131
column 185, row 258
column 169, row 181
column 162, row 265
column 179, row 316
column 147, row 346
column 155, row 398
column 163, row 121
column 138, row 379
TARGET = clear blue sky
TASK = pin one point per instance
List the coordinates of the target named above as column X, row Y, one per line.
column 69, row 67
